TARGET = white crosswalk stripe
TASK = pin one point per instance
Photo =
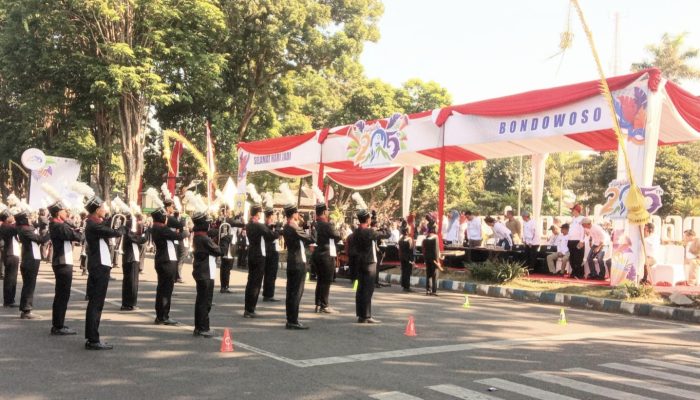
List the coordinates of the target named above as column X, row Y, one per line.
column 585, row 387
column 394, row 396
column 524, row 390
column 461, row 393
column 654, row 373
column 668, row 365
column 638, row 383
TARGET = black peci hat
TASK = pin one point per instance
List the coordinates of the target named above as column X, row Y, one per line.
column 159, row 214
column 200, row 218
column 320, row 208
column 290, row 209
column 269, row 211
column 168, row 203
column 56, row 207
column 255, row 209
column 93, row 204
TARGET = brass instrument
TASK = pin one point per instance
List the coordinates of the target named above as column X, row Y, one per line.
column 224, row 230
column 118, row 220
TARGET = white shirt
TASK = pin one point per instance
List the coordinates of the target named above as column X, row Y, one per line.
column 500, row 232
column 530, row 233
column 562, row 243
column 462, row 231
column 576, row 229
column 395, row 236
column 597, row 235
column 474, row 229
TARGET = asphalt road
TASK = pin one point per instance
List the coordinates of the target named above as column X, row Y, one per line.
column 519, row 349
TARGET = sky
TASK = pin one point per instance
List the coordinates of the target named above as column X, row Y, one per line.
column 485, row 49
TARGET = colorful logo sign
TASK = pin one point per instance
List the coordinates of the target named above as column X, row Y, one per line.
column 33, row 159
column 632, row 113
column 243, row 158
column 616, row 194
column 375, row 144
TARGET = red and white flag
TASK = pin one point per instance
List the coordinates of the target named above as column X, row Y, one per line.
column 174, row 170
column 210, row 164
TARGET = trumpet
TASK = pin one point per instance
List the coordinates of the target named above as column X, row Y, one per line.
column 118, row 220
column 224, row 230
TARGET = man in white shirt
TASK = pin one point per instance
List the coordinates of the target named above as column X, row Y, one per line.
column 596, row 235
column 576, row 245
column 503, row 236
column 561, row 240
column 651, row 247
column 530, row 240
column 474, row 233
column 463, row 223
column 395, row 235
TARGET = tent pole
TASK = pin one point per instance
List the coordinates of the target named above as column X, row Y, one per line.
column 441, row 191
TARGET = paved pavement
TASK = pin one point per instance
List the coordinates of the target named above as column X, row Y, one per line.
column 516, row 348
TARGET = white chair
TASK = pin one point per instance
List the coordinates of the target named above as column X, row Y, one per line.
column 670, row 265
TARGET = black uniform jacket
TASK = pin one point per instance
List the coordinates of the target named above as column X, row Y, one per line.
column 62, row 237
column 295, row 239
column 97, row 233
column 204, row 247
column 161, row 235
column 257, row 231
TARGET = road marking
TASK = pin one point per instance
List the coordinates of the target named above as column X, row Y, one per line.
column 638, row 383
column 523, row 390
column 654, row 373
column 394, row 396
column 668, row 365
column 584, row 387
column 461, row 393
column 495, row 345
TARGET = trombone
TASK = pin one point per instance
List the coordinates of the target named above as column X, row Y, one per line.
column 118, row 220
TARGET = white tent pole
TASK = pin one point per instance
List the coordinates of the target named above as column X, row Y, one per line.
column 539, row 162
column 407, row 190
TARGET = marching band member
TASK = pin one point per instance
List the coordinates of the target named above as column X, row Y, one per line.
column 204, row 270
column 165, row 258
column 272, row 261
column 98, row 231
column 258, row 234
column 31, row 258
column 364, row 242
column 11, row 252
column 131, row 257
column 324, row 256
column 296, row 240
column 63, row 234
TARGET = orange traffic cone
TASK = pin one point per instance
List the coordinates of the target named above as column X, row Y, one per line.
column 410, row 327
column 226, row 342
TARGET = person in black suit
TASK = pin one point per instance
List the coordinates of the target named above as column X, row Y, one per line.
column 63, row 235
column 296, row 240
column 10, row 254
column 164, row 238
column 131, row 258
column 324, row 258
column 406, row 247
column 203, row 272
column 272, row 259
column 364, row 243
column 227, row 243
column 99, row 263
column 258, row 235
column 31, row 258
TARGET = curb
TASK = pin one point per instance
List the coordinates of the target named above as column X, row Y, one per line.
column 551, row 298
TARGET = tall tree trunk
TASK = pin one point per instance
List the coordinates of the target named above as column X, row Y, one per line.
column 132, row 120
column 103, row 133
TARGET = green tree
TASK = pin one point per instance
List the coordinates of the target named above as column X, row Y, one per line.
column 672, row 57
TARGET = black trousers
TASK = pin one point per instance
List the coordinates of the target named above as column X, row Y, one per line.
column 531, row 256
column 431, row 274
column 225, row 271
column 130, row 283
column 256, row 271
column 9, row 284
column 2, row 265
column 576, row 258
column 295, row 289
column 365, row 290
column 406, row 272
column 64, row 280
column 29, row 270
column 325, row 269
column 202, row 305
column 272, row 264
column 167, row 272
column 242, row 257
column 98, row 280
column 181, row 254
